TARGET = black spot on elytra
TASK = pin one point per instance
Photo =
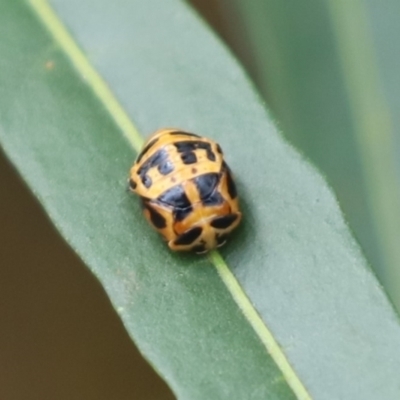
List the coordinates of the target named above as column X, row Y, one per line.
column 206, row 184
column 224, row 222
column 213, row 200
column 188, row 158
column 231, row 184
column 178, row 201
column 147, row 182
column 156, row 218
column 180, row 215
column 146, row 149
column 165, row 168
column 159, row 158
column 187, row 146
column 189, row 236
column 184, row 133
column 207, row 147
column 210, row 155
column 175, row 197
column 132, row 184
column 155, row 160
column 203, row 145
column 219, row 149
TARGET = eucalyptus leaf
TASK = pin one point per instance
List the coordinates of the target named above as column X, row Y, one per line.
column 301, row 315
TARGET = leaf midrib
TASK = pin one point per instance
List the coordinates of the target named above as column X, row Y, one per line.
column 93, row 79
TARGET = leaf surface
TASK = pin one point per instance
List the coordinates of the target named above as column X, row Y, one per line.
column 329, row 71
column 301, row 315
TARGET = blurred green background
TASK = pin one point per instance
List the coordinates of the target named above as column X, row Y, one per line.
column 328, row 71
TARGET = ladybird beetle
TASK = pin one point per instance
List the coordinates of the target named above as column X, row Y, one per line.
column 187, row 190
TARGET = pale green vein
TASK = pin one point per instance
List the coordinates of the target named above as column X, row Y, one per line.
column 373, row 126
column 86, row 70
column 259, row 326
column 100, row 88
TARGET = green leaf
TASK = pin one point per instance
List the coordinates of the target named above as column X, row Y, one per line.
column 330, row 73
column 300, row 316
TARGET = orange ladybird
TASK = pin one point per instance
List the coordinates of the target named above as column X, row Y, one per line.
column 187, row 190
